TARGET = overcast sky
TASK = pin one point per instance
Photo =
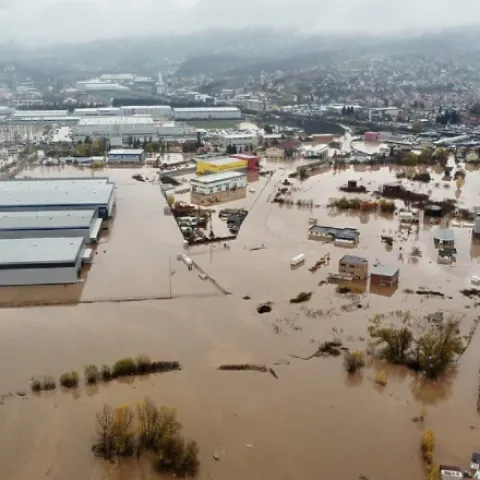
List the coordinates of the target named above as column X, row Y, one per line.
column 84, row 20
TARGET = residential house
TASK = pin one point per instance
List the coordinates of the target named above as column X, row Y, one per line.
column 448, row 472
column 282, row 151
column 384, row 276
column 355, row 266
column 333, row 234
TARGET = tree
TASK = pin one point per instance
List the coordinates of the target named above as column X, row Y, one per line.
column 123, row 430
column 410, row 158
column 87, row 140
column 426, row 156
column 130, row 141
column 268, row 129
column 441, row 156
column 302, row 174
column 105, row 441
column 417, row 126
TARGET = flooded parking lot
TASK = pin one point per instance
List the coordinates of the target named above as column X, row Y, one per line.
column 312, row 421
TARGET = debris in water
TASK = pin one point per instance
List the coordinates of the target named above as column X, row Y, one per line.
column 216, row 456
column 265, row 307
column 244, row 366
column 431, row 293
column 332, row 348
column 470, row 292
column 246, row 297
column 343, row 290
column 272, row 371
column 302, row 297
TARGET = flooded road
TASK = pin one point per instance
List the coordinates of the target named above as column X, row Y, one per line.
column 314, row 421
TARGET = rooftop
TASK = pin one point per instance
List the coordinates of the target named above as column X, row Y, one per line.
column 222, row 161
column 53, row 219
column 384, row 270
column 101, row 121
column 42, row 184
column 444, row 235
column 207, row 109
column 126, row 151
column 354, row 260
column 75, row 196
column 21, row 251
column 341, row 233
column 218, row 177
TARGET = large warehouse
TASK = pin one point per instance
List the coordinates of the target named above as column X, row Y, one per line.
column 207, row 113
column 220, row 164
column 41, row 261
column 53, row 223
column 118, row 130
column 154, row 111
column 66, row 194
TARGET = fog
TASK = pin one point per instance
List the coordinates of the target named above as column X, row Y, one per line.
column 32, row 21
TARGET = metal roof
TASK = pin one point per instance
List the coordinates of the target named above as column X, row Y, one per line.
column 105, row 121
column 126, row 151
column 342, row 233
column 207, row 109
column 384, row 270
column 354, row 260
column 445, row 235
column 27, row 251
column 99, row 194
column 218, row 177
column 42, row 184
column 222, row 161
column 53, row 219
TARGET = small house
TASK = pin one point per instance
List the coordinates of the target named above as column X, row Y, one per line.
column 384, row 276
column 444, row 238
column 355, row 266
column 333, row 234
column 448, row 472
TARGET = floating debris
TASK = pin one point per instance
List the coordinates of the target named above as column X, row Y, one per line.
column 265, row 307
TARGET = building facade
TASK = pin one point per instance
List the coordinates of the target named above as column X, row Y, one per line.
column 207, row 113
column 355, row 266
column 220, row 164
column 238, row 139
column 384, row 276
column 218, row 187
column 127, row 155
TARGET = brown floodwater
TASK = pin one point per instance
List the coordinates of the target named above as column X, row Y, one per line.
column 315, row 421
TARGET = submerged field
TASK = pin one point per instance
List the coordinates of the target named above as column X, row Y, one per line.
column 314, row 421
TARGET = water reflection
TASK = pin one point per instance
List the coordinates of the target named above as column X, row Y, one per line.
column 432, row 392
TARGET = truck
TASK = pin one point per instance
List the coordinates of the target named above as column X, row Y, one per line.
column 297, row 260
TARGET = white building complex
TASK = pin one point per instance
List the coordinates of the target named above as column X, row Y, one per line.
column 207, row 113
column 238, row 139
column 219, row 187
column 176, row 130
column 118, row 130
column 154, row 111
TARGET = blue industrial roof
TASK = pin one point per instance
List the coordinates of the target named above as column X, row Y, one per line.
column 46, row 219
column 31, row 251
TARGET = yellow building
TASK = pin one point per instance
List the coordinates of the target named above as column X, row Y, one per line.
column 220, row 164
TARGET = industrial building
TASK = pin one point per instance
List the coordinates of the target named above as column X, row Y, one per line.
column 355, row 266
column 154, row 111
column 127, row 155
column 207, row 113
column 65, row 194
column 42, row 261
column 118, row 130
column 219, row 187
column 97, row 112
column 238, row 139
column 176, row 131
column 220, row 164
column 51, row 223
column 253, row 161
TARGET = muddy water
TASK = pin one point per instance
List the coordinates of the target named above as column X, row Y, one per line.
column 313, row 422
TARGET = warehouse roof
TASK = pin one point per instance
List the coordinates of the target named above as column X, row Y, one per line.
column 53, row 219
column 126, row 151
column 101, row 121
column 207, row 109
column 221, row 161
column 218, row 177
column 99, row 194
column 33, row 185
column 28, row 251
column 444, row 235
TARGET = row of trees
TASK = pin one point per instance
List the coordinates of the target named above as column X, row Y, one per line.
column 233, row 149
column 427, row 156
column 124, row 431
column 430, row 352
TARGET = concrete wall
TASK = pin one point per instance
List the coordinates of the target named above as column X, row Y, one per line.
column 38, row 276
column 218, row 197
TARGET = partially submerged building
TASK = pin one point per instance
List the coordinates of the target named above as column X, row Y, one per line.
column 355, row 266
column 53, row 223
column 220, row 164
column 127, row 156
column 58, row 194
column 42, row 261
column 444, row 238
column 341, row 236
column 384, row 276
column 219, row 187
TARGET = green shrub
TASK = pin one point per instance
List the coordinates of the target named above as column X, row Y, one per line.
column 36, row 385
column 144, row 364
column 49, row 383
column 177, row 456
column 69, row 379
column 91, row 374
column 106, row 373
column 124, row 367
column 354, row 361
column 302, row 297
